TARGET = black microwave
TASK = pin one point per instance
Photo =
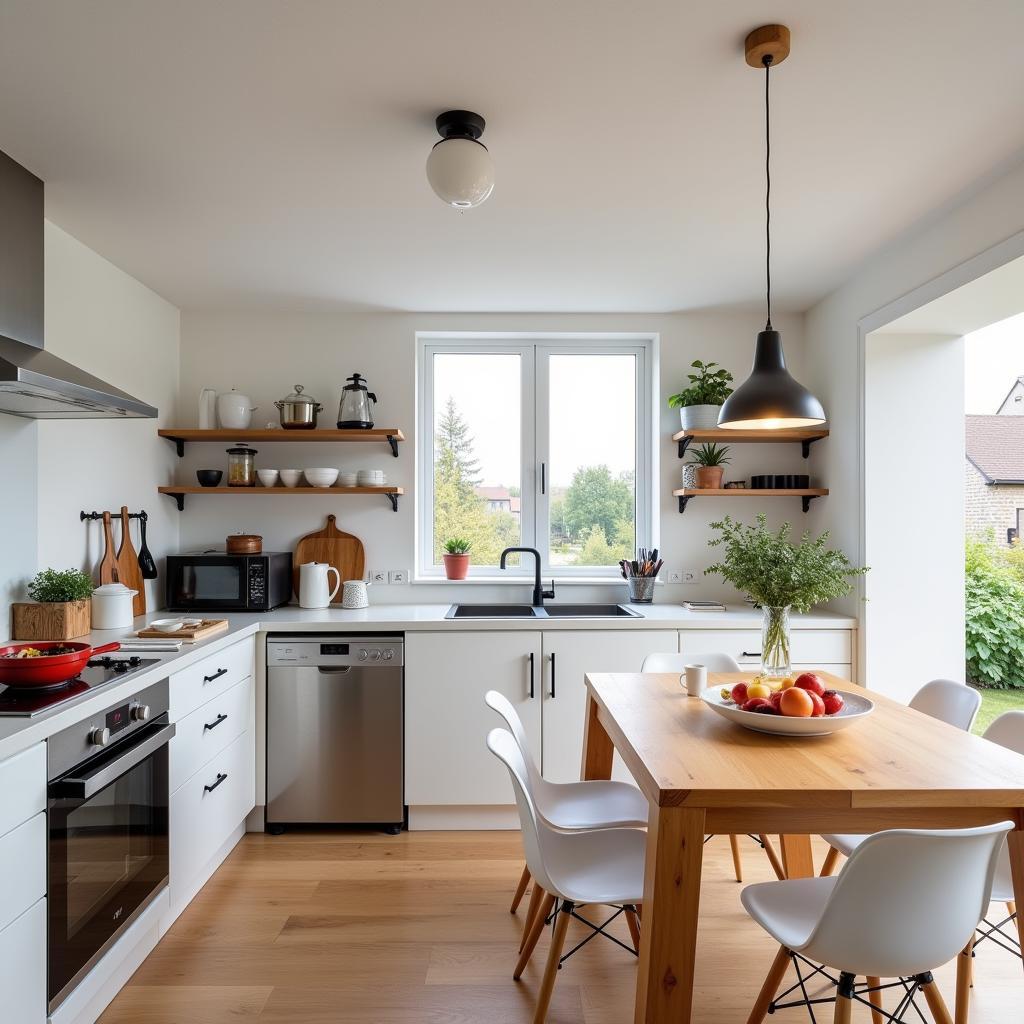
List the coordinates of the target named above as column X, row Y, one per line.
column 204, row 582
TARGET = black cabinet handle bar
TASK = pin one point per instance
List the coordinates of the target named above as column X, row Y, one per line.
column 221, row 776
column 216, row 675
column 215, row 722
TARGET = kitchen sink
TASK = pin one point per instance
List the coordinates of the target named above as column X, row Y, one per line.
column 550, row 611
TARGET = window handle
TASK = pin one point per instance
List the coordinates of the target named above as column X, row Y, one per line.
column 543, row 478
column 750, row 654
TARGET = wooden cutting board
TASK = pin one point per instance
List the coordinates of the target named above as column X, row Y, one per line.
column 190, row 634
column 108, row 565
column 128, row 571
column 335, row 547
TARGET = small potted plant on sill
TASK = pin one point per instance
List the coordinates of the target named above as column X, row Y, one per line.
column 710, row 459
column 700, row 403
column 62, row 610
column 456, row 558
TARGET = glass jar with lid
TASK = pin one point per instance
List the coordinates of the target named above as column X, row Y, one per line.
column 242, row 466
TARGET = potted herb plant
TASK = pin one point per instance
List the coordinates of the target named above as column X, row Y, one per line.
column 62, row 611
column 700, row 403
column 710, row 459
column 779, row 575
column 456, row 558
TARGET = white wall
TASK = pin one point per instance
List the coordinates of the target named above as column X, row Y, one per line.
column 109, row 324
column 914, row 510
column 264, row 355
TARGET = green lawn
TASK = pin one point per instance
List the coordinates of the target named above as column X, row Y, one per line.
column 993, row 704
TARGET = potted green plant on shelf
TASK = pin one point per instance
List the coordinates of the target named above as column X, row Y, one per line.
column 62, row 610
column 710, row 460
column 456, row 558
column 700, row 402
column 780, row 576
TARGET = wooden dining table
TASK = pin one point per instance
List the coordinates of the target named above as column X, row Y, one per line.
column 705, row 775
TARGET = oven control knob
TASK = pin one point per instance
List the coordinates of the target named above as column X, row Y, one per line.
column 375, row 655
column 99, row 737
column 388, row 655
column 139, row 713
column 363, row 654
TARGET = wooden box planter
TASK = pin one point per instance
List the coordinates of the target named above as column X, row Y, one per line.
column 58, row 621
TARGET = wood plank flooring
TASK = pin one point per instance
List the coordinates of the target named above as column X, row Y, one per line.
column 327, row 928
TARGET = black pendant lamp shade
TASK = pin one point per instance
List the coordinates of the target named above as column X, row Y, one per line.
column 769, row 399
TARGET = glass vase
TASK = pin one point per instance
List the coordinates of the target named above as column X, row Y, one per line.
column 775, row 645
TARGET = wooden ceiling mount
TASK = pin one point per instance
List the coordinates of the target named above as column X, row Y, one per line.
column 768, row 39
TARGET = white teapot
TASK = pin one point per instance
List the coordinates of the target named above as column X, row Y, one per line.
column 314, row 589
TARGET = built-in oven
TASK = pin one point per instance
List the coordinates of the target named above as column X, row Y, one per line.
column 108, row 837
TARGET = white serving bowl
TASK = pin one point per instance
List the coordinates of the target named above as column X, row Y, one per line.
column 855, row 708
column 267, row 477
column 290, row 477
column 167, row 625
column 321, row 477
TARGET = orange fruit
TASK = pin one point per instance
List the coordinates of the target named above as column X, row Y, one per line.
column 796, row 703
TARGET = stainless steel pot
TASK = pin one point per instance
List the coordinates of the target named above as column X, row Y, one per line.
column 298, row 411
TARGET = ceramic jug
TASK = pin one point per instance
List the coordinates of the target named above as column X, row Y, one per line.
column 314, row 590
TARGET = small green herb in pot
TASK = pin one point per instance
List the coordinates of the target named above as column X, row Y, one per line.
column 55, row 586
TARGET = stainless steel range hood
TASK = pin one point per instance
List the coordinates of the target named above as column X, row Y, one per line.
column 33, row 382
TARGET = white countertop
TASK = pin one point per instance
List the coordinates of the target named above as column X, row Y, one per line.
column 17, row 734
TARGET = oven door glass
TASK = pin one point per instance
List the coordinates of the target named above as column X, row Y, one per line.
column 107, row 857
column 209, row 584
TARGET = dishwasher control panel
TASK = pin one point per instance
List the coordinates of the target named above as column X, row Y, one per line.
column 333, row 651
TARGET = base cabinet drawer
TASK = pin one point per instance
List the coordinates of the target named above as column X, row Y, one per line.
column 208, row 808
column 22, row 868
column 23, row 967
column 194, row 686
column 208, row 730
column 22, row 787
column 809, row 646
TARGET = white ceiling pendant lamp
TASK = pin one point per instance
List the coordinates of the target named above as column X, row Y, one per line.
column 459, row 168
column 769, row 399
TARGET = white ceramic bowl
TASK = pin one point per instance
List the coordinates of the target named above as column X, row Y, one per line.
column 290, row 477
column 167, row 625
column 267, row 477
column 855, row 708
column 321, row 477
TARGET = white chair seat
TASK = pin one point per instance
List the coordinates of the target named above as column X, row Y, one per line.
column 593, row 805
column 788, row 910
column 844, row 844
column 597, row 867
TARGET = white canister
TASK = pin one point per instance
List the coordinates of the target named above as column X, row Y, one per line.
column 354, row 594
column 234, row 410
column 314, row 589
column 112, row 606
column 208, row 409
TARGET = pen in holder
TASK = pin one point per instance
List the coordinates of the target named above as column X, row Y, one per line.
column 640, row 574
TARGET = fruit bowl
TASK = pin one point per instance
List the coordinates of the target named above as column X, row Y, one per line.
column 855, row 708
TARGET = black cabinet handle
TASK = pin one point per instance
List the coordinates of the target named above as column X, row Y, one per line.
column 215, row 722
column 216, row 675
column 750, row 654
column 221, row 776
column 531, row 675
column 552, row 674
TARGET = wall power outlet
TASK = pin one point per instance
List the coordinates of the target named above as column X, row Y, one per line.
column 398, row 575
column 683, row 575
column 378, row 576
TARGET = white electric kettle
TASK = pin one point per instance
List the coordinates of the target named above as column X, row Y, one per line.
column 314, row 590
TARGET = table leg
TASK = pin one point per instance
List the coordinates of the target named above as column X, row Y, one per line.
column 598, row 749
column 797, row 857
column 668, row 946
column 1015, row 843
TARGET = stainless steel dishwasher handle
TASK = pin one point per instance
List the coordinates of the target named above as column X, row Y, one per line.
column 334, row 670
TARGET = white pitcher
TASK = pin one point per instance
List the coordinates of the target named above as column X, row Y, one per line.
column 207, row 409
column 314, row 590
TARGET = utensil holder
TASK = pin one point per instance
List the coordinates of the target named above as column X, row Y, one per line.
column 641, row 589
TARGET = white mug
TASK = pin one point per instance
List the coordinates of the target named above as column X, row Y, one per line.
column 314, row 590
column 696, row 679
column 354, row 594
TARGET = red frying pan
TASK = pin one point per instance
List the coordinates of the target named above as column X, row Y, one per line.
column 47, row 670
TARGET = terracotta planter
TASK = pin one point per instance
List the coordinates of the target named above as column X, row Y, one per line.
column 456, row 567
column 56, row 621
column 709, row 477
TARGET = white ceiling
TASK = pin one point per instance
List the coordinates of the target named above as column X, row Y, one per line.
column 271, row 153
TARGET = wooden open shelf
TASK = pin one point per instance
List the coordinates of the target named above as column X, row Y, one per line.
column 179, row 435
column 806, row 493
column 178, row 493
column 804, row 436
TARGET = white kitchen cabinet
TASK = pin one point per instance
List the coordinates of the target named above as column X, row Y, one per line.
column 568, row 655
column 446, row 720
column 810, row 647
column 23, row 967
column 22, row 787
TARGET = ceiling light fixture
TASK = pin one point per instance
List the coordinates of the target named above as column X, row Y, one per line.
column 459, row 168
column 769, row 399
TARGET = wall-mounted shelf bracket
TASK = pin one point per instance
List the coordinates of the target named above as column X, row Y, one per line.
column 179, row 445
column 684, row 443
column 393, row 441
column 393, row 498
column 178, row 497
column 683, row 499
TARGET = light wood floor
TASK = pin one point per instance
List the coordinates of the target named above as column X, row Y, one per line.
column 333, row 929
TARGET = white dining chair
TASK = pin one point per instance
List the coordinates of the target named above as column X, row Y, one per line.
column 953, row 703
column 567, row 806
column 573, row 868
column 907, row 901
column 714, row 661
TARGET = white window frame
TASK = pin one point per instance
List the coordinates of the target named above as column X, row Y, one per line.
column 534, row 350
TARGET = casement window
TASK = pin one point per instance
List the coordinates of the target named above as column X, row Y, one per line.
column 540, row 442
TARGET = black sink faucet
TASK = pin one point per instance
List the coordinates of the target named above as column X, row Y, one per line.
column 539, row 593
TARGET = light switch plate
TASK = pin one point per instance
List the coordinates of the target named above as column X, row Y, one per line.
column 379, row 576
column 398, row 575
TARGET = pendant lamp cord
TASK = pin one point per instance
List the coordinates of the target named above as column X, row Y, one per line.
column 767, row 61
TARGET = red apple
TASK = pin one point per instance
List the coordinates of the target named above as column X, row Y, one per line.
column 818, row 705
column 776, row 699
column 739, row 694
column 757, row 704
column 811, row 683
column 833, row 702
column 766, row 709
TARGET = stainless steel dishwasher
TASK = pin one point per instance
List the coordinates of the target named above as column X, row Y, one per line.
column 335, row 731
